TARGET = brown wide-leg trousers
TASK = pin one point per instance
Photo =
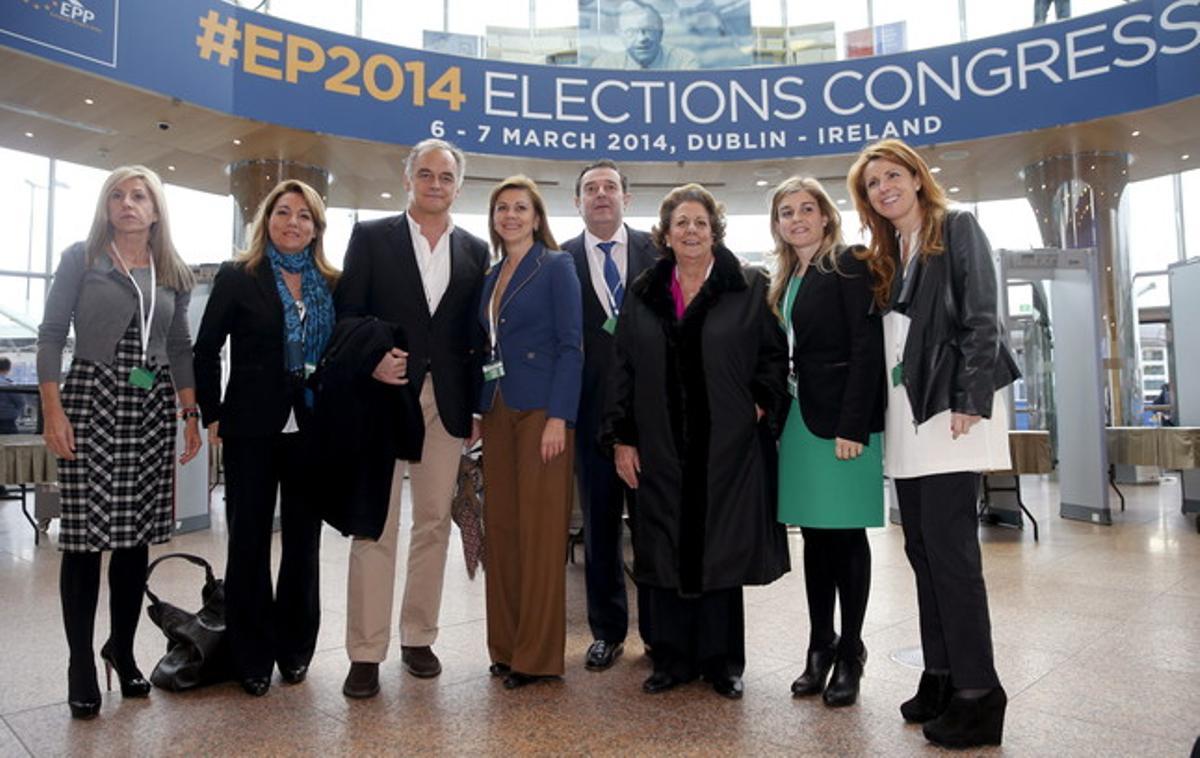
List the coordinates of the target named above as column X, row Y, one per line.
column 526, row 510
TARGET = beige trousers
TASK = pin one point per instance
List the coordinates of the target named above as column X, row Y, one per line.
column 372, row 577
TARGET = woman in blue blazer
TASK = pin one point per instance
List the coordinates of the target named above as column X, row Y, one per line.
column 532, row 312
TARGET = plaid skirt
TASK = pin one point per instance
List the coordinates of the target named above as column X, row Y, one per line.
column 119, row 490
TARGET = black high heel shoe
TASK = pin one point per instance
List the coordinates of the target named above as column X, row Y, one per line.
column 816, row 670
column 83, row 694
column 970, row 721
column 133, row 684
column 933, row 695
column 842, row 689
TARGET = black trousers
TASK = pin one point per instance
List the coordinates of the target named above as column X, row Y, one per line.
column 603, row 497
column 266, row 627
column 694, row 636
column 941, row 539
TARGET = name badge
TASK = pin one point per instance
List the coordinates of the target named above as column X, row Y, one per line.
column 898, row 374
column 142, row 377
column 493, row 370
column 610, row 325
column 793, row 386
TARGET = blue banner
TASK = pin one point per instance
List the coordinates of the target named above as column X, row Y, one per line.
column 1134, row 56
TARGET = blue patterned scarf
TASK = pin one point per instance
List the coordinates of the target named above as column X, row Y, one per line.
column 304, row 340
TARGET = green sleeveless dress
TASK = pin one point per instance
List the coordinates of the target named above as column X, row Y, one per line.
column 815, row 488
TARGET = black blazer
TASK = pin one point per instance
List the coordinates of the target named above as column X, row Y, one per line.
column 838, row 352
column 245, row 306
column 598, row 351
column 382, row 279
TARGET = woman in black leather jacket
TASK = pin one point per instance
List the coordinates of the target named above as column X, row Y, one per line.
column 946, row 421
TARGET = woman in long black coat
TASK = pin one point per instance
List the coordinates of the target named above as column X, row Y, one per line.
column 698, row 391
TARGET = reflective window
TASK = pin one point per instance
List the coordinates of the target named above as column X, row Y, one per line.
column 201, row 225
column 339, row 223
column 1148, row 213
column 819, row 18
column 1191, row 212
column 1009, row 224
column 401, row 24
column 23, row 188
column 75, row 201
column 927, row 24
column 323, row 14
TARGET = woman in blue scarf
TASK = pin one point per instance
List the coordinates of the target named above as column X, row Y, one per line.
column 274, row 303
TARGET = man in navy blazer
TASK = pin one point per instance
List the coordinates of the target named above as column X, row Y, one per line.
column 421, row 275
column 608, row 257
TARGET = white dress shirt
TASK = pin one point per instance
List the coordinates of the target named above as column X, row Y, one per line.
column 434, row 262
column 595, row 256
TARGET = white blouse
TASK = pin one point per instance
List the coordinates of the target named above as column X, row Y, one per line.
column 910, row 450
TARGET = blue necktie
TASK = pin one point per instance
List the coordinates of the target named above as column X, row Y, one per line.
column 612, row 276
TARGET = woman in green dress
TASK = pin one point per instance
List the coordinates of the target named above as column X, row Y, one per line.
column 831, row 470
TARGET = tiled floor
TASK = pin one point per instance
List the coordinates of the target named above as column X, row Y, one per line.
column 1097, row 635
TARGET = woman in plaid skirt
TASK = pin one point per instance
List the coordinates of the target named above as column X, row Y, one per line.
column 113, row 425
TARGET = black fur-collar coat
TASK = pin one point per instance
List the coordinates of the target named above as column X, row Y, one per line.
column 684, row 393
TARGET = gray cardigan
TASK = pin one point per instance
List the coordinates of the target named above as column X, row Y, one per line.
column 102, row 301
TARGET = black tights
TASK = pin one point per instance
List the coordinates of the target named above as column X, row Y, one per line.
column 79, row 587
column 837, row 564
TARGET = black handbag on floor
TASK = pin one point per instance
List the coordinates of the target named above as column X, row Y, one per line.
column 197, row 652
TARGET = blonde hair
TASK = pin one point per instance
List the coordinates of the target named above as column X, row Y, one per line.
column 784, row 255
column 541, row 232
column 170, row 269
column 259, row 234
column 884, row 250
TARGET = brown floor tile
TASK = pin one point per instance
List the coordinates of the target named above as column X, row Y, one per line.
column 1097, row 634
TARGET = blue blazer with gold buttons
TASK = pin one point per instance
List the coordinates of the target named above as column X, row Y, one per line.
column 539, row 335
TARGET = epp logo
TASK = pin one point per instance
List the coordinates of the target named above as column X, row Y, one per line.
column 74, row 10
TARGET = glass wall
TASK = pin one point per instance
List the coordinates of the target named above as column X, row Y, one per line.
column 802, row 24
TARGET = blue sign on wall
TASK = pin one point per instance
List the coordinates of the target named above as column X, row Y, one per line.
column 83, row 29
column 1134, row 56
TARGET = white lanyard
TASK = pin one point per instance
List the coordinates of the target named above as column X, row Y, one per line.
column 145, row 318
column 493, row 312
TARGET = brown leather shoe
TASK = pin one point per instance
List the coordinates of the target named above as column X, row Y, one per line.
column 420, row 661
column 362, row 681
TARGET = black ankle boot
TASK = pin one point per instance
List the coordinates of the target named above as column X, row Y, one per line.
column 816, row 669
column 83, row 693
column 133, row 684
column 843, row 684
column 970, row 722
column 933, row 695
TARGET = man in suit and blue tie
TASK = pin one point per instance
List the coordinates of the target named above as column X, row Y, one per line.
column 422, row 275
column 608, row 257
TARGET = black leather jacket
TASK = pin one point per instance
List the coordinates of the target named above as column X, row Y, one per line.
column 955, row 356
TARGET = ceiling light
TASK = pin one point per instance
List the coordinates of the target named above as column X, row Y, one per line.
column 954, row 189
column 89, row 101
column 841, row 201
column 760, row 183
column 1135, row 133
column 237, row 141
column 386, row 195
column 1184, row 157
column 170, row 168
column 935, row 169
column 29, row 135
